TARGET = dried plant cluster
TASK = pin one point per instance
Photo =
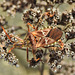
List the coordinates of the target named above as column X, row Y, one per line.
column 52, row 17
column 8, row 56
column 3, row 20
column 67, row 68
column 44, row 38
column 13, row 6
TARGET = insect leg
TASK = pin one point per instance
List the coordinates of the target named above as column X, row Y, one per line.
column 27, row 55
column 19, row 39
column 11, row 49
column 14, row 45
column 31, row 25
column 61, row 44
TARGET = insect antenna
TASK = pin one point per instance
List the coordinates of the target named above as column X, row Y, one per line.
column 6, row 33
